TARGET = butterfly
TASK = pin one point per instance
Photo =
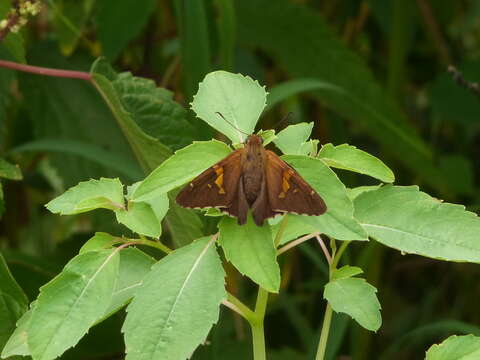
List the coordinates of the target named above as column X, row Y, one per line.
column 252, row 178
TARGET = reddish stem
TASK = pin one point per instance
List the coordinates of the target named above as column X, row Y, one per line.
column 46, row 71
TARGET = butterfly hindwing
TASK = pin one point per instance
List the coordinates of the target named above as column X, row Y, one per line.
column 287, row 191
column 215, row 187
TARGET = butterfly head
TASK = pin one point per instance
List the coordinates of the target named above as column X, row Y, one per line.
column 254, row 140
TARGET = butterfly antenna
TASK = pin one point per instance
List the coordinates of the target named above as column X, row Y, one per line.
column 223, row 117
column 285, row 118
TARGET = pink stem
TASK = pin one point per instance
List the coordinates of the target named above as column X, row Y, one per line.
column 46, row 71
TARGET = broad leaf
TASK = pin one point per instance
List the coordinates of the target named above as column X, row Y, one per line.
column 238, row 98
column 9, row 171
column 466, row 347
column 176, row 305
column 292, row 139
column 356, row 298
column 338, row 221
column 350, row 158
column 13, row 302
column 89, row 195
column 413, row 222
column 251, row 250
column 148, row 150
column 71, row 303
column 181, row 167
column 134, row 266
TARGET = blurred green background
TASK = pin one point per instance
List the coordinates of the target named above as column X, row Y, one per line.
column 369, row 73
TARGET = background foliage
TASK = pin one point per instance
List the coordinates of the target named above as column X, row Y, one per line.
column 371, row 73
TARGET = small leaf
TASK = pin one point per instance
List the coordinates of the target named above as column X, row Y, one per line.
column 71, row 303
column 292, row 139
column 89, row 195
column 145, row 218
column 346, row 272
column 466, row 347
column 100, row 241
column 350, row 158
column 356, row 298
column 413, row 222
column 251, row 250
column 238, row 98
column 177, row 304
column 181, row 167
column 9, row 171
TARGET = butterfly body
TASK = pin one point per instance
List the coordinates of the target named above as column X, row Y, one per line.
column 252, row 178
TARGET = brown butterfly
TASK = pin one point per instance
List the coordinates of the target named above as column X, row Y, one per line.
column 252, row 178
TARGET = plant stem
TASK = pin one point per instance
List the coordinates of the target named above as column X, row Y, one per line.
column 257, row 325
column 327, row 319
column 322, row 345
column 46, row 71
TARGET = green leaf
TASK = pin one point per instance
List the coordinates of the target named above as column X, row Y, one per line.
column 134, row 266
column 89, row 195
column 120, row 22
column 251, row 250
column 350, row 158
column 338, row 222
column 100, row 241
column 177, row 304
column 17, row 343
column 9, row 171
column 466, row 347
column 92, row 152
column 413, row 222
column 346, row 272
column 181, row 167
column 356, row 298
column 155, row 111
column 13, row 302
column 292, row 139
column 148, row 150
column 71, row 303
column 353, row 91
column 146, row 217
column 238, row 98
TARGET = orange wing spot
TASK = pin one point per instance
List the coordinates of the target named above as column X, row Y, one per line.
column 285, row 184
column 209, row 186
column 191, row 185
column 219, row 180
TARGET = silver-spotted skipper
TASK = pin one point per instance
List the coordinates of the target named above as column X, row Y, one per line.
column 252, row 178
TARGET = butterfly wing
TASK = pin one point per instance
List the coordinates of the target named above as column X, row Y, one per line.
column 215, row 187
column 287, row 191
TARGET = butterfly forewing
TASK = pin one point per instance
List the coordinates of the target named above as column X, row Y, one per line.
column 215, row 187
column 288, row 192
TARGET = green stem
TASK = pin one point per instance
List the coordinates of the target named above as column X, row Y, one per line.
column 244, row 310
column 257, row 325
column 327, row 319
column 322, row 345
